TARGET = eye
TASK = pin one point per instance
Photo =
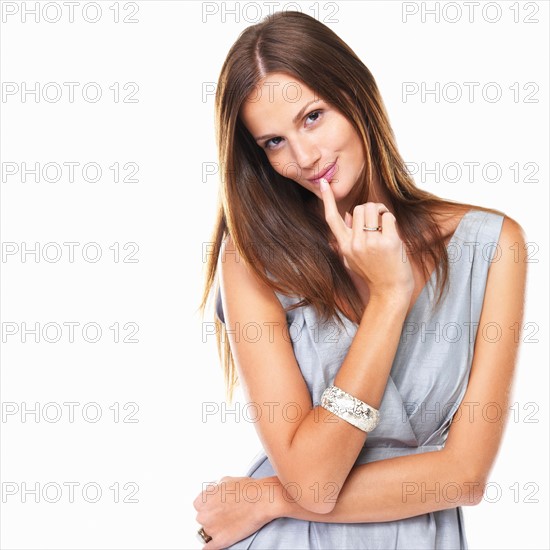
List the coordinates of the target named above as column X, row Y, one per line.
column 314, row 113
column 266, row 144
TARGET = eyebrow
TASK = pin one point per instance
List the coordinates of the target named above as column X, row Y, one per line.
column 294, row 120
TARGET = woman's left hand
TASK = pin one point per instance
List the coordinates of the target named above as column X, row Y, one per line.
column 232, row 509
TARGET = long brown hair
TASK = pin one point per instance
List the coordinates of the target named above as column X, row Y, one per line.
column 256, row 203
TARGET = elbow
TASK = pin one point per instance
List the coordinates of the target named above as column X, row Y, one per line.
column 319, row 497
column 316, row 506
column 322, row 507
column 467, row 480
column 473, row 490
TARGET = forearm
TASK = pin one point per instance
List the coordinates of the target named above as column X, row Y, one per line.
column 324, row 447
column 365, row 370
column 390, row 490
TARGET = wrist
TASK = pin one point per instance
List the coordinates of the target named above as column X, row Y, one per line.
column 274, row 503
column 396, row 301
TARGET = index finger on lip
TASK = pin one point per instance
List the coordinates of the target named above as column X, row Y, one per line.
column 332, row 216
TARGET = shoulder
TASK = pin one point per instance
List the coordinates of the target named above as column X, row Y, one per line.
column 501, row 239
column 233, row 267
column 512, row 233
column 485, row 222
column 234, row 263
column 512, row 249
column 507, row 275
column 244, row 292
column 504, row 234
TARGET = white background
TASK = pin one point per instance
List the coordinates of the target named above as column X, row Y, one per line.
column 174, row 51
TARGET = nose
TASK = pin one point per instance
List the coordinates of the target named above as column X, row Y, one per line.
column 307, row 156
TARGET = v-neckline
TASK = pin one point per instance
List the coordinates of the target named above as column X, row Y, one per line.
column 432, row 275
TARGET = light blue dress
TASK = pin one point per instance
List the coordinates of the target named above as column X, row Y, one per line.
column 427, row 382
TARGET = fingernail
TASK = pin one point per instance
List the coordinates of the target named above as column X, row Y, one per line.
column 323, row 184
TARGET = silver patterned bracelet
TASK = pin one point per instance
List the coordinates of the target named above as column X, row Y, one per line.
column 350, row 409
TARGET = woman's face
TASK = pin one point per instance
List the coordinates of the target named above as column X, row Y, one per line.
column 303, row 136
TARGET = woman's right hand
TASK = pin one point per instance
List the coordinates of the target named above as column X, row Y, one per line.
column 379, row 257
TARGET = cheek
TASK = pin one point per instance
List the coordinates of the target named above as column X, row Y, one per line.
column 340, row 136
column 352, row 144
column 350, row 135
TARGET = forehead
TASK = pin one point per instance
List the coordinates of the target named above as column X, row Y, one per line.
column 275, row 95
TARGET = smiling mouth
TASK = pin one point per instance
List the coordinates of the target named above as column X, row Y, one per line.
column 328, row 174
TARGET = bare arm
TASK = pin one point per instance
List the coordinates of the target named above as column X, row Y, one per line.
column 402, row 487
column 318, row 447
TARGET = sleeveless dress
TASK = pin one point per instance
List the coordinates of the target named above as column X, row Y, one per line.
column 427, row 383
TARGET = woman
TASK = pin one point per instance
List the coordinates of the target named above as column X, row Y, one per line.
column 329, row 259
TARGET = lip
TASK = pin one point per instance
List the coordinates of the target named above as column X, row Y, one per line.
column 327, row 174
